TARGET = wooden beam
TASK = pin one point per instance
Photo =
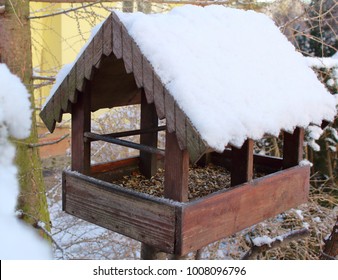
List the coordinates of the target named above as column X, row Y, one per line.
column 81, row 118
column 149, row 120
column 131, row 132
column 242, row 163
column 293, row 147
column 261, row 162
column 176, row 167
column 125, row 143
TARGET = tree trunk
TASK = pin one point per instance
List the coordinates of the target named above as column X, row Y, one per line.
column 15, row 51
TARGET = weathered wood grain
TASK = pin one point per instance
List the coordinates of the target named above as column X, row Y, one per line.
column 195, row 145
column 80, row 72
column 72, row 96
column 176, row 170
column 117, row 36
column 88, row 60
column 293, row 147
column 242, row 163
column 137, row 64
column 148, row 80
column 224, row 213
column 159, row 97
column 114, row 165
column 47, row 115
column 64, row 95
column 80, row 160
column 98, row 48
column 169, row 104
column 261, row 162
column 107, row 36
column 180, row 127
column 148, row 161
column 144, row 218
column 57, row 105
column 127, row 50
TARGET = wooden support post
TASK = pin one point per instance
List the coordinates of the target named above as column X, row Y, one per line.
column 242, row 163
column 176, row 166
column 176, row 175
column 204, row 160
column 293, row 147
column 80, row 124
column 149, row 119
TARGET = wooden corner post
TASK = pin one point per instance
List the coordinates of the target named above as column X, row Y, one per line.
column 149, row 119
column 293, row 147
column 242, row 163
column 176, row 168
column 80, row 124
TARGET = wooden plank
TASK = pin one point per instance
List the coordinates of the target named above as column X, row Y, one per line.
column 132, row 132
column 72, row 96
column 117, row 36
column 147, row 219
column 47, row 115
column 137, row 65
column 148, row 80
column 148, row 161
column 90, row 136
column 107, row 36
column 159, row 97
column 98, row 48
column 64, row 95
column 81, row 117
column 113, row 165
column 229, row 211
column 293, row 147
column 176, row 166
column 80, row 73
column 169, row 104
column 261, row 162
column 88, row 63
column 242, row 163
column 127, row 50
column 180, row 127
column 57, row 105
column 195, row 146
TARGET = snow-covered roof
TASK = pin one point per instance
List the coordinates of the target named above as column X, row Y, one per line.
column 232, row 73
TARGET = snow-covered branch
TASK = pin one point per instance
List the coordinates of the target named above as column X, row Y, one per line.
column 264, row 243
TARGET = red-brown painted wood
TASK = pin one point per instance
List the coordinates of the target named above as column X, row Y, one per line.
column 148, row 161
column 242, row 163
column 176, row 170
column 80, row 124
column 226, row 212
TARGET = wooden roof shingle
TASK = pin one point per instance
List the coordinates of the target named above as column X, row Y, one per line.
column 117, row 70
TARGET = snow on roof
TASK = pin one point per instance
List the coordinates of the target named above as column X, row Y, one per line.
column 232, row 72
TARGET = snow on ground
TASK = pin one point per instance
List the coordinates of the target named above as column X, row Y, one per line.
column 232, row 80
column 17, row 240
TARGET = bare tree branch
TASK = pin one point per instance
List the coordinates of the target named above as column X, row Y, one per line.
column 278, row 242
column 34, row 145
column 66, row 11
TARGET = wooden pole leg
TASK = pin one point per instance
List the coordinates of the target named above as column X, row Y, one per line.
column 151, row 253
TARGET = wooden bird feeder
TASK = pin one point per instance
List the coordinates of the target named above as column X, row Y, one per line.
column 113, row 72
